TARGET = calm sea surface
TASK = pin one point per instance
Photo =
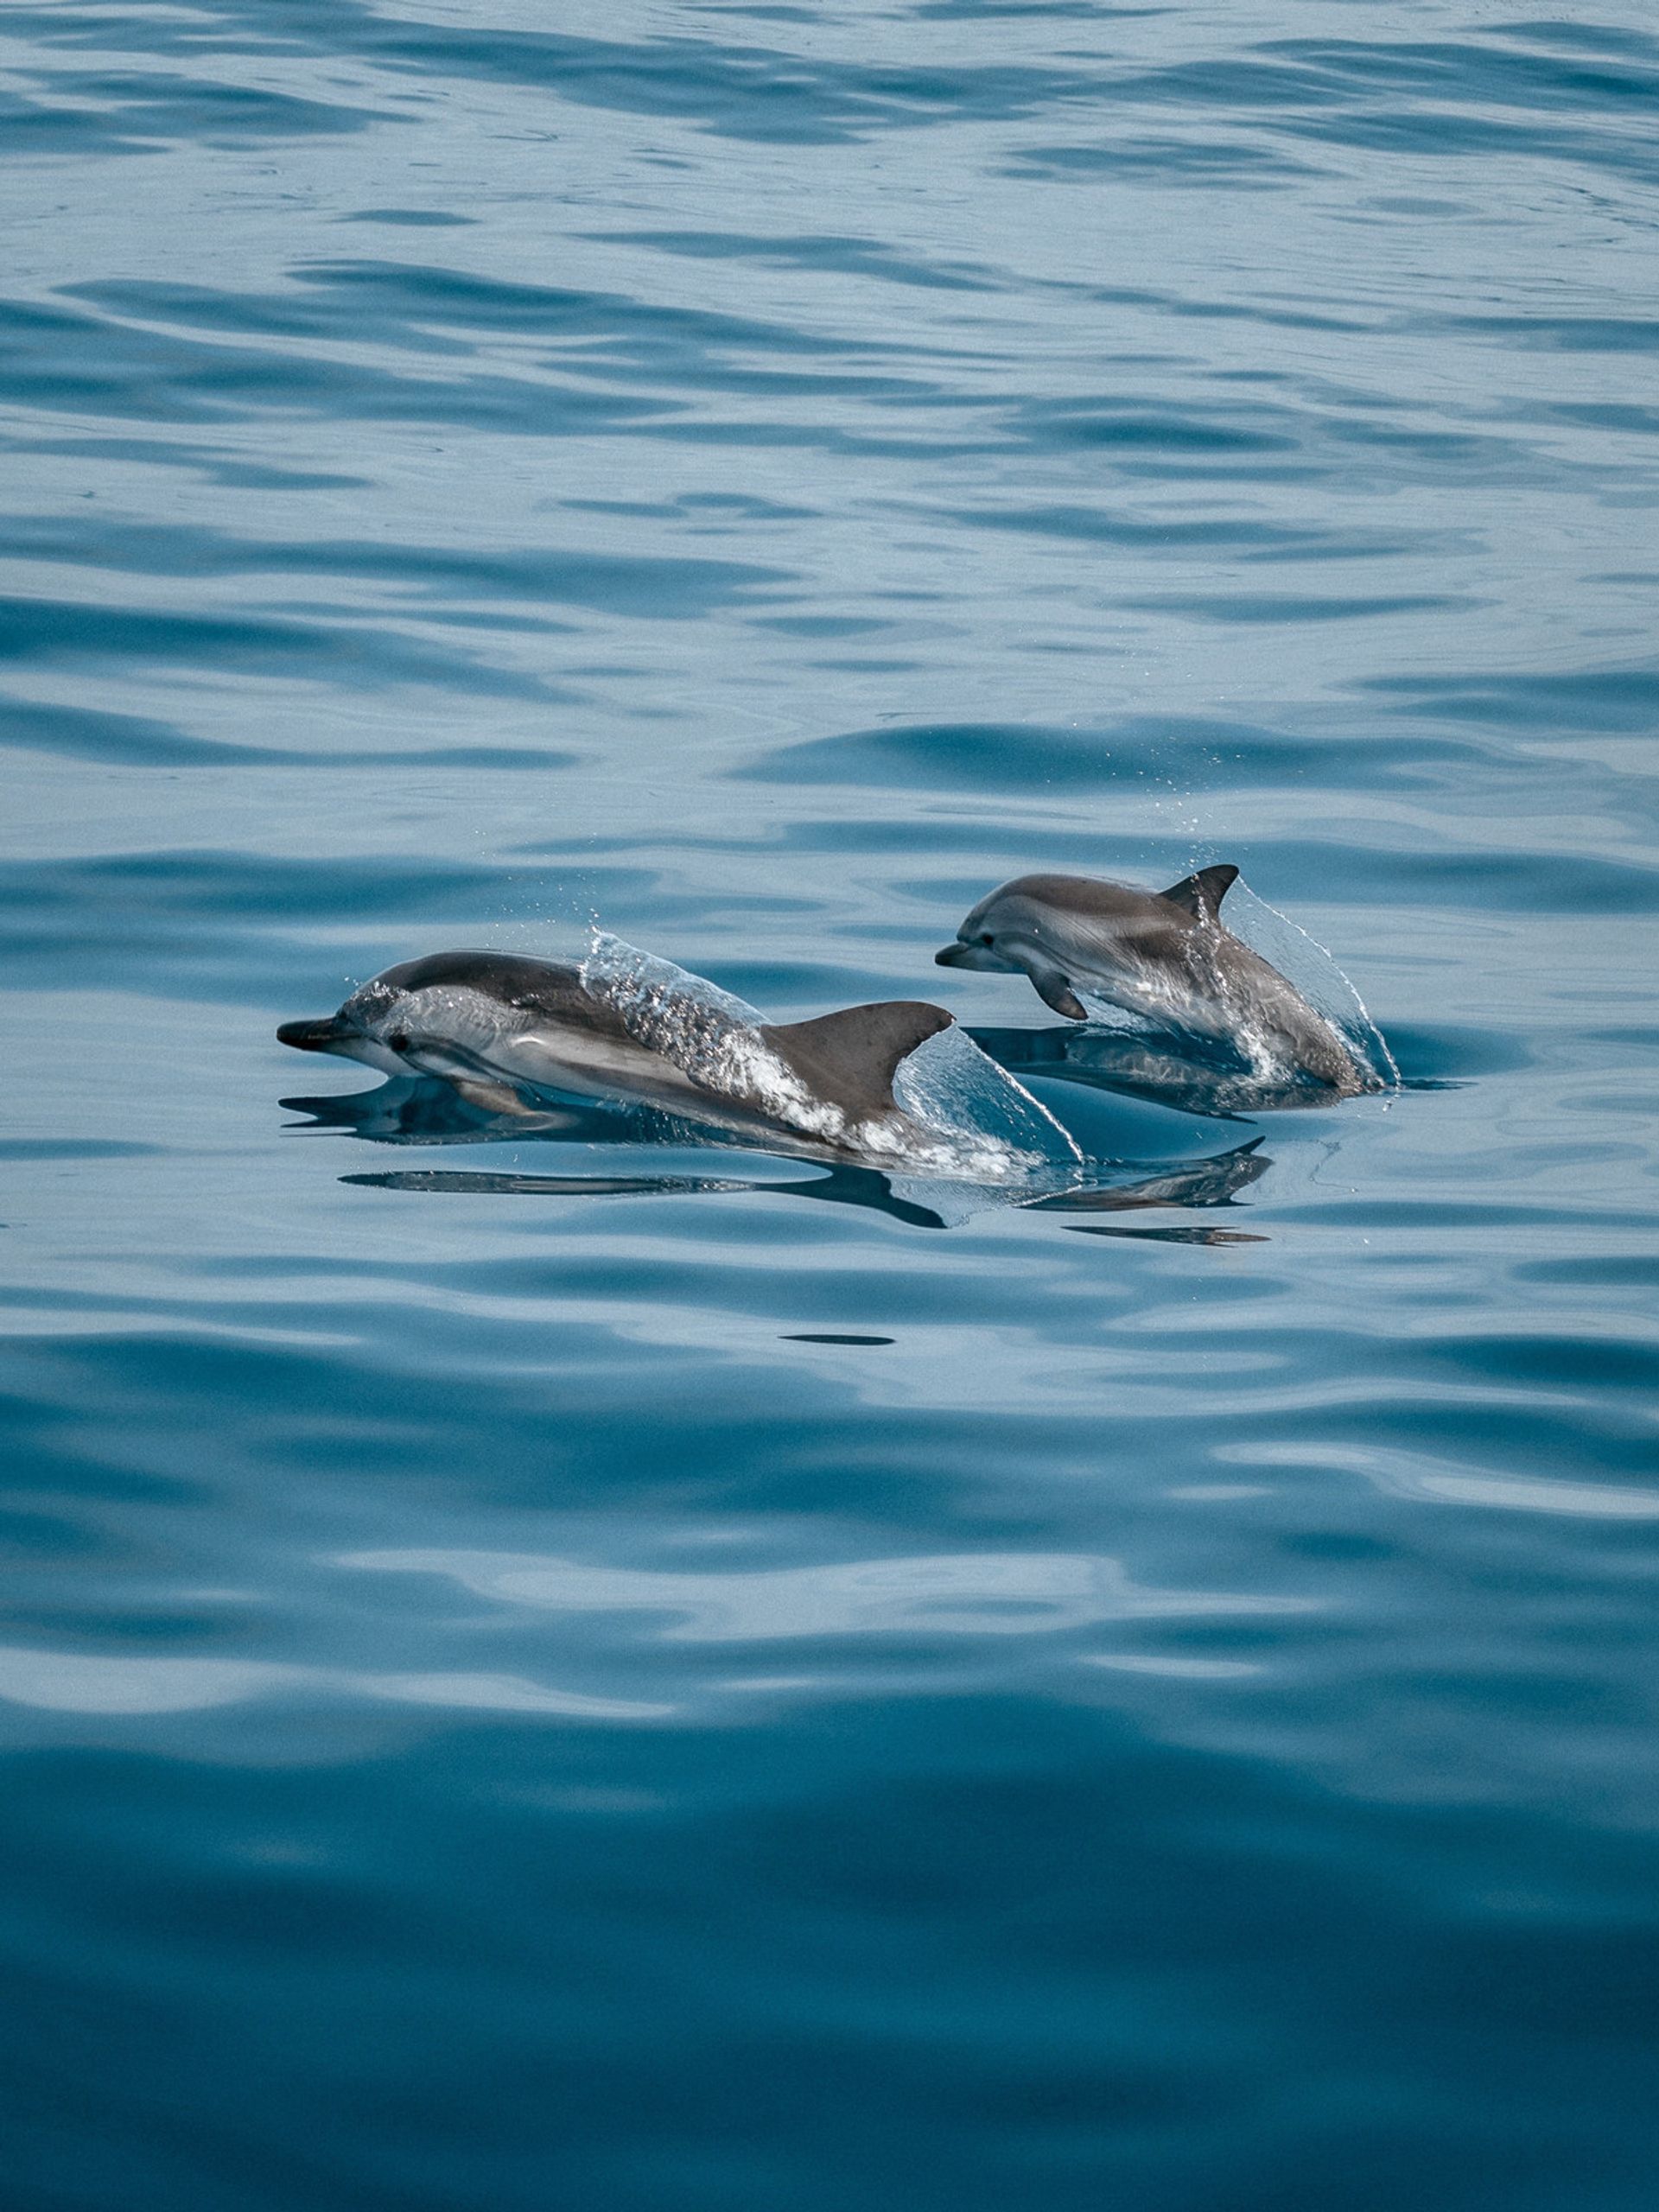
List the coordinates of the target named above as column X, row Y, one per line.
column 689, row 1699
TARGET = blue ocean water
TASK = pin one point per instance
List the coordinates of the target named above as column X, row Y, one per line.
column 542, row 1672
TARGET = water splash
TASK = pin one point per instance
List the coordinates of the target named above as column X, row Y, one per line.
column 665, row 1008
column 990, row 1121
column 961, row 1119
column 1299, row 956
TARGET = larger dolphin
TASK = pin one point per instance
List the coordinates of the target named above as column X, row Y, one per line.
column 495, row 1024
column 1164, row 955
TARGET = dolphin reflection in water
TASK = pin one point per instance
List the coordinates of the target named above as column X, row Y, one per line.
column 1193, row 1075
column 414, row 1111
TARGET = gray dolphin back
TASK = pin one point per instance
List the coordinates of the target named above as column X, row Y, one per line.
column 550, row 990
column 850, row 1058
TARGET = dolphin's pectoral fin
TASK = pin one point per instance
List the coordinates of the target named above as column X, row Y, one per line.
column 1054, row 990
column 1201, row 895
column 850, row 1058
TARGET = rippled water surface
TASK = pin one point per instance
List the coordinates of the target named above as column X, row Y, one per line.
column 564, row 1666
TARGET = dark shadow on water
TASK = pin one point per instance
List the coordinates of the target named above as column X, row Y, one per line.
column 460, row 1181
column 830, row 1337
column 407, row 1111
column 839, row 1185
column 1172, row 1236
column 1215, row 1181
column 1207, row 1183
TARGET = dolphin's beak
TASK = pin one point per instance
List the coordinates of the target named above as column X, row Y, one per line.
column 314, row 1036
column 983, row 958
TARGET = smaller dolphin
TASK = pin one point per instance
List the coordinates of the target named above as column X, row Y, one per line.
column 495, row 1024
column 1166, row 955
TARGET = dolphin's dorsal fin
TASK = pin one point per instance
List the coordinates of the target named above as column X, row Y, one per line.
column 1201, row 895
column 850, row 1058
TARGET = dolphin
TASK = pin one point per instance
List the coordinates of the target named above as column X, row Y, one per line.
column 496, row 1025
column 1164, row 955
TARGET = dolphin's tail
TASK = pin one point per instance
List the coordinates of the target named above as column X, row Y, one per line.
column 850, row 1058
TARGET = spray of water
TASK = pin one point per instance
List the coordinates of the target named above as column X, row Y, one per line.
column 1312, row 967
column 961, row 1118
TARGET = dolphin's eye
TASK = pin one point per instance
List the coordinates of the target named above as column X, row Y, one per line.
column 987, row 939
column 398, row 1041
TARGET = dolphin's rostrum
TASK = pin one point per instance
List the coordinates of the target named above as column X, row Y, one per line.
column 495, row 1024
column 1166, row 956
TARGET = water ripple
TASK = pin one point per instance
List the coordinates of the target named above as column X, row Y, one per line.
column 549, row 1661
